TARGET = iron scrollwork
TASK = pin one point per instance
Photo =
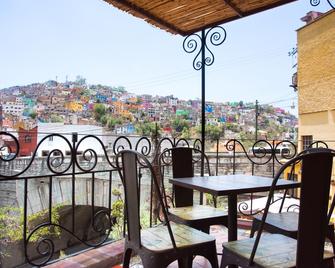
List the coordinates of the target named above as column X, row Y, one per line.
column 44, row 247
column 82, row 157
column 121, row 143
column 194, row 43
column 7, row 154
column 144, row 146
column 262, row 153
column 315, row 3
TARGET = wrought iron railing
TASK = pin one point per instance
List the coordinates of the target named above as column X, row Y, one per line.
column 81, row 175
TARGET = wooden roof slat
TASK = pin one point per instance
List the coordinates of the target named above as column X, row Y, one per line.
column 234, row 7
column 191, row 17
column 188, row 16
column 137, row 11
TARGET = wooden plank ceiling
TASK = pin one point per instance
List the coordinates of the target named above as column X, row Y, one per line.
column 185, row 17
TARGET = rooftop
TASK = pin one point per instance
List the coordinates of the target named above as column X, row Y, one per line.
column 187, row 17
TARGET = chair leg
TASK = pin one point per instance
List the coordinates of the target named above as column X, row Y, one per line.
column 212, row 257
column 205, row 229
column 126, row 257
column 329, row 264
column 229, row 258
column 185, row 262
column 254, row 227
column 331, row 236
column 224, row 260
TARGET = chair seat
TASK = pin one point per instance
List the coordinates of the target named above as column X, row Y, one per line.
column 286, row 220
column 274, row 250
column 197, row 212
column 158, row 239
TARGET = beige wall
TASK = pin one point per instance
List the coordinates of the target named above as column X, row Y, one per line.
column 316, row 65
column 316, row 81
column 316, row 78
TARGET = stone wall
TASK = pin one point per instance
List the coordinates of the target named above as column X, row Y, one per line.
column 316, row 68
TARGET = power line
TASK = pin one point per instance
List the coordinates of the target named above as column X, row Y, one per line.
column 278, row 101
column 185, row 74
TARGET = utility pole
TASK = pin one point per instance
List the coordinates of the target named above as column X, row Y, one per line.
column 256, row 123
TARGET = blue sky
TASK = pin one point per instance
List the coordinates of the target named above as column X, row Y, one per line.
column 42, row 39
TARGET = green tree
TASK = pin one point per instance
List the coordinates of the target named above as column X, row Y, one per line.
column 104, row 119
column 33, row 115
column 112, row 122
column 233, row 127
column 247, row 138
column 211, row 132
column 147, row 129
column 56, row 119
column 99, row 111
column 178, row 125
column 186, row 133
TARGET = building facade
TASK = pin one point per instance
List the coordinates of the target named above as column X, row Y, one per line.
column 316, row 79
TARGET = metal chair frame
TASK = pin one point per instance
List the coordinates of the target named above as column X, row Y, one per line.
column 128, row 162
column 316, row 163
column 286, row 217
column 182, row 161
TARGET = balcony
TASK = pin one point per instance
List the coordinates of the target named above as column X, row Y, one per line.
column 63, row 203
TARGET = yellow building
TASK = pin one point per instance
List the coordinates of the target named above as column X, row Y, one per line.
column 74, row 106
column 316, row 80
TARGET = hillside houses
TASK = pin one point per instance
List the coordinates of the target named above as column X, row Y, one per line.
column 75, row 102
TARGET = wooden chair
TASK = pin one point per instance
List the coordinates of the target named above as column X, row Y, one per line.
column 157, row 246
column 184, row 211
column 286, row 222
column 276, row 250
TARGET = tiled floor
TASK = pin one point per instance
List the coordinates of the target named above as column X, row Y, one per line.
column 221, row 235
column 103, row 257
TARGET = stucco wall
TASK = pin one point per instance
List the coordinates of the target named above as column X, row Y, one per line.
column 316, row 81
column 316, row 65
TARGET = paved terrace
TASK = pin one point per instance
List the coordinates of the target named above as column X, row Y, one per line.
column 110, row 255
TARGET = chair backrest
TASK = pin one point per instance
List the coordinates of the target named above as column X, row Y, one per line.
column 128, row 163
column 313, row 218
column 183, row 160
column 314, row 199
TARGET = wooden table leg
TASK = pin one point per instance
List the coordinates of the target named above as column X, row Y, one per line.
column 232, row 217
column 232, row 220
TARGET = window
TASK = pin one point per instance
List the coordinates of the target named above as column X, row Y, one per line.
column 306, row 141
column 27, row 139
column 45, row 153
column 56, row 153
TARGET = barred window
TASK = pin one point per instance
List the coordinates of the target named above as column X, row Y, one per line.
column 306, row 141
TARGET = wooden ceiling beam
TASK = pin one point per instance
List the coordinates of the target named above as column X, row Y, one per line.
column 234, row 7
column 149, row 15
column 181, row 22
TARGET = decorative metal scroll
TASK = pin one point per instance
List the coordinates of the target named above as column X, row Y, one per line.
column 317, row 2
column 89, row 155
column 45, row 247
column 264, row 152
column 7, row 153
column 194, row 44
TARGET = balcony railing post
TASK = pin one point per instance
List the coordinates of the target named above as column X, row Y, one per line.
column 234, row 155
column 217, row 156
column 273, row 158
column 25, row 217
column 73, row 161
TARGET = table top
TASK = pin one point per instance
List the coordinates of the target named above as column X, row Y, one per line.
column 232, row 184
